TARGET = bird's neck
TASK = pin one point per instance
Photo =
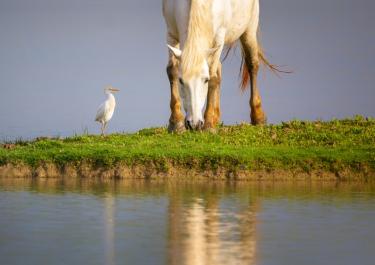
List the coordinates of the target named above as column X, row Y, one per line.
column 110, row 96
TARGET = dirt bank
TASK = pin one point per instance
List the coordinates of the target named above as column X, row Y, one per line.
column 173, row 171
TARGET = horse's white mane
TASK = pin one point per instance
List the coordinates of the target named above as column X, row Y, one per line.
column 199, row 38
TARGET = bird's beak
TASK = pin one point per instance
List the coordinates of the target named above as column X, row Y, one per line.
column 114, row 89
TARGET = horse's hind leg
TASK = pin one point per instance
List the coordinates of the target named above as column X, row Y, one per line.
column 212, row 113
column 251, row 55
column 176, row 120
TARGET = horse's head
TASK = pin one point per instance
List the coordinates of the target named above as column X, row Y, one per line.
column 193, row 89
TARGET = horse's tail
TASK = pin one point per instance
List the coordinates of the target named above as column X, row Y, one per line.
column 262, row 58
column 245, row 73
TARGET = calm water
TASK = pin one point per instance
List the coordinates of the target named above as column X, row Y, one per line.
column 140, row 222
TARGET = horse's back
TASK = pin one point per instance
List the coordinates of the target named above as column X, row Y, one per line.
column 235, row 17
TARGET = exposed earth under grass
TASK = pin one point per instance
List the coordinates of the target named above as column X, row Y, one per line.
column 337, row 149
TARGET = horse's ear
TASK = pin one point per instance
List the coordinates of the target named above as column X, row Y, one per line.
column 176, row 52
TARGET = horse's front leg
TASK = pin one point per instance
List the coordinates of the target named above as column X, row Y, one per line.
column 212, row 113
column 176, row 120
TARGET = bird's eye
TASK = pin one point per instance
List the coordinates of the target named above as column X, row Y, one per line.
column 181, row 81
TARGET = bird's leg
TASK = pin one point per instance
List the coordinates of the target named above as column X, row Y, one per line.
column 102, row 129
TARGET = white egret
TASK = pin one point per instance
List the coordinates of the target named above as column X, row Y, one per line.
column 106, row 109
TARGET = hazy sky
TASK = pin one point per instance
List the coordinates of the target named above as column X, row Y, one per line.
column 57, row 56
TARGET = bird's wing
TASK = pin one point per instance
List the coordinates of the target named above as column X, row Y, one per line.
column 100, row 112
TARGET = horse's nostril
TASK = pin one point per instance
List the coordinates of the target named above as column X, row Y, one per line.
column 188, row 124
column 200, row 125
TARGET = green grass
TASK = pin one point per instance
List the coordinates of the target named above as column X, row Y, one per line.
column 331, row 145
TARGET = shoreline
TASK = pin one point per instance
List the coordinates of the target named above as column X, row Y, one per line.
column 295, row 150
column 87, row 170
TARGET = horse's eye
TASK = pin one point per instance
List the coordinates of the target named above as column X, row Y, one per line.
column 181, row 81
column 206, row 80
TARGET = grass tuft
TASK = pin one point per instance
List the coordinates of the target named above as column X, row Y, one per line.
column 308, row 145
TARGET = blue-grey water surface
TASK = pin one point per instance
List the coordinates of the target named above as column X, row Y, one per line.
column 149, row 222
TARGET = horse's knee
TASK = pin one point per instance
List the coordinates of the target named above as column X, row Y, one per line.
column 172, row 71
column 215, row 81
column 253, row 64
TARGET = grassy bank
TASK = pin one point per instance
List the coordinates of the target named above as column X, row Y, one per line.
column 334, row 146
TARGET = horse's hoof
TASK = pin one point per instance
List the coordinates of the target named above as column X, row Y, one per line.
column 259, row 121
column 210, row 130
column 178, row 127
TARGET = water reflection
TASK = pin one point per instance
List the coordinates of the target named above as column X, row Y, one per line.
column 205, row 231
column 109, row 223
column 144, row 222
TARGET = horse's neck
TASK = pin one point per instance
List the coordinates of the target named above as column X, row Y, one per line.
column 200, row 24
column 198, row 38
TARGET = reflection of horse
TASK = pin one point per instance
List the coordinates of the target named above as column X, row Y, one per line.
column 197, row 33
column 200, row 232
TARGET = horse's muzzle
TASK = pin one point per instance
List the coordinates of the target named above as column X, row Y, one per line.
column 191, row 126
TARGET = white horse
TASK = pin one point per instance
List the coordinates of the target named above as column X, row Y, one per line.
column 197, row 33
